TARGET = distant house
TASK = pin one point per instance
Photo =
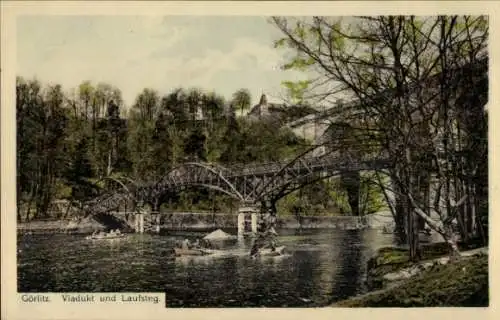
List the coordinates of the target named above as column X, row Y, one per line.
column 198, row 113
column 278, row 111
column 264, row 110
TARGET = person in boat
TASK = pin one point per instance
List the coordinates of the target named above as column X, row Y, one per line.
column 206, row 243
column 257, row 244
column 178, row 244
column 196, row 244
column 266, row 239
column 186, row 244
column 271, row 236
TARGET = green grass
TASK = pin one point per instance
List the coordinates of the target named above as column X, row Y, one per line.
column 463, row 283
column 391, row 259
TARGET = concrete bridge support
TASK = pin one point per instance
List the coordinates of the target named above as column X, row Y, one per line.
column 139, row 223
column 243, row 213
column 254, row 222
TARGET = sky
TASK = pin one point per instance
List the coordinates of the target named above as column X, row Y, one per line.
column 220, row 53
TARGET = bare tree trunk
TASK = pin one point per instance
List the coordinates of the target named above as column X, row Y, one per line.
column 108, row 171
column 412, row 222
column 30, row 202
column 414, row 236
column 461, row 216
column 398, row 211
column 472, row 207
column 445, row 231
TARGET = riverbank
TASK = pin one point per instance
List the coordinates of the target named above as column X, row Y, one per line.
column 201, row 220
column 436, row 282
column 189, row 221
column 86, row 225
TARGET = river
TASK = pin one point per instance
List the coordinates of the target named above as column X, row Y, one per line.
column 320, row 267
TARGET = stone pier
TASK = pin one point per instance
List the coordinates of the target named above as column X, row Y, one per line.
column 139, row 223
column 254, row 222
column 241, row 224
column 243, row 213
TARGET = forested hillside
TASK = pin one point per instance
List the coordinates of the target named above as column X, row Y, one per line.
column 68, row 140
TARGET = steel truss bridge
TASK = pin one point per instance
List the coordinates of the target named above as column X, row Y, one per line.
column 254, row 184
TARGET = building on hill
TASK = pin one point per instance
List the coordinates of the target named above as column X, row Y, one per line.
column 279, row 111
column 264, row 110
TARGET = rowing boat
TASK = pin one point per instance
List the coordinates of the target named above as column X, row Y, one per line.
column 192, row 252
column 268, row 252
column 105, row 237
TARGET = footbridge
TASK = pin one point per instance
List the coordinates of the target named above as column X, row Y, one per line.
column 256, row 186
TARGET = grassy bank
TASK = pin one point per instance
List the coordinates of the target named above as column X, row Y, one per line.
column 392, row 260
column 463, row 283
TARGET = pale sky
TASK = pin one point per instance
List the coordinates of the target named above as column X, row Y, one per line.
column 221, row 53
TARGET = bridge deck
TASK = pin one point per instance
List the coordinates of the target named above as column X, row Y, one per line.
column 246, row 182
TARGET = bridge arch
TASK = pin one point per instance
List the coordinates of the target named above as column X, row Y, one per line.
column 127, row 192
column 206, row 175
column 297, row 160
column 249, row 184
column 111, row 197
column 303, row 171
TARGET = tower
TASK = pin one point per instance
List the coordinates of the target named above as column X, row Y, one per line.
column 263, row 107
column 263, row 99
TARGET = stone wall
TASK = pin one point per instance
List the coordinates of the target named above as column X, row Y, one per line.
column 184, row 221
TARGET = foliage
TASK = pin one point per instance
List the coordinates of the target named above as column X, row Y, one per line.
column 419, row 86
column 68, row 142
column 242, row 100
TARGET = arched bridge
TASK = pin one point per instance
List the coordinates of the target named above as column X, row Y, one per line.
column 250, row 184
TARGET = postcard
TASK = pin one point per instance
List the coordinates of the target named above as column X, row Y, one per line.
column 256, row 159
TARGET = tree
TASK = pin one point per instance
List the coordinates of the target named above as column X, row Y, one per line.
column 28, row 107
column 141, row 126
column 42, row 124
column 232, row 139
column 162, row 146
column 68, row 142
column 242, row 99
column 86, row 95
column 79, row 172
column 146, row 105
column 403, row 73
column 195, row 145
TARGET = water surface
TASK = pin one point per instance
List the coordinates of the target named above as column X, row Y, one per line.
column 321, row 267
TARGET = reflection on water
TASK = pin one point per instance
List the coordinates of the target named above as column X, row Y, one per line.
column 320, row 267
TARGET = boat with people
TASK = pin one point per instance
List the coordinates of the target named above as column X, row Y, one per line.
column 204, row 246
column 192, row 252
column 113, row 234
column 196, row 248
column 269, row 252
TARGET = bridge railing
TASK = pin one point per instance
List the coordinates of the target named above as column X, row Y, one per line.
column 299, row 167
column 311, row 162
